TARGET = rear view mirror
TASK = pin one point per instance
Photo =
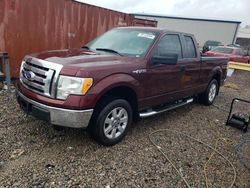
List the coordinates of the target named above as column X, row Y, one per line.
column 168, row 59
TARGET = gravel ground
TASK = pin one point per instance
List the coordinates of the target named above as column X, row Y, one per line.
column 33, row 154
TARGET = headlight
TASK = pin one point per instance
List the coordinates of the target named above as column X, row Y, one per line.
column 72, row 85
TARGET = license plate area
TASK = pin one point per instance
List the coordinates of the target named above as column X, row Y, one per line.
column 33, row 110
column 40, row 113
column 25, row 106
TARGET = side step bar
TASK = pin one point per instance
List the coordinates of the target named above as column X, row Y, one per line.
column 168, row 108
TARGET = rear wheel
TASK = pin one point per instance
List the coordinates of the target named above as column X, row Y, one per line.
column 209, row 95
column 111, row 121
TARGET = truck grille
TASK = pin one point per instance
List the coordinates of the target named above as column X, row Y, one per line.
column 39, row 76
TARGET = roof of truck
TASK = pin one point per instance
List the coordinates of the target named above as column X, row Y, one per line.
column 153, row 29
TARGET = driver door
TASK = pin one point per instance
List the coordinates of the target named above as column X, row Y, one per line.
column 163, row 79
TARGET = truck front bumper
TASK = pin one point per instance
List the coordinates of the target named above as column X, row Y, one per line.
column 56, row 116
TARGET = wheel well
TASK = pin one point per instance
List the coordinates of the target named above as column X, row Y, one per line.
column 217, row 77
column 122, row 92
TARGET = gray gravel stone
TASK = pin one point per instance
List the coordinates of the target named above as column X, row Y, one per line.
column 70, row 158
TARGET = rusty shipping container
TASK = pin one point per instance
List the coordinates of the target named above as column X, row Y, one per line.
column 28, row 26
column 144, row 23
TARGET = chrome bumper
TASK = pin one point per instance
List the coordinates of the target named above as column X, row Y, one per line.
column 56, row 116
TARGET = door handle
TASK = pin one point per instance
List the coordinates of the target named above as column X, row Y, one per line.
column 183, row 68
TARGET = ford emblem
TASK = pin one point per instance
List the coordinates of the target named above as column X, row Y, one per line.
column 29, row 75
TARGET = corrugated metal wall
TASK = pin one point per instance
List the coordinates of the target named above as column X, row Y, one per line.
column 203, row 30
column 28, row 26
column 144, row 22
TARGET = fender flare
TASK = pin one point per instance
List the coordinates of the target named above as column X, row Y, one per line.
column 116, row 80
column 216, row 70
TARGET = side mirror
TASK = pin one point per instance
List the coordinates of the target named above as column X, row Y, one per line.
column 167, row 59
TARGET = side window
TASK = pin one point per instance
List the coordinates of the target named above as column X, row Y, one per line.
column 191, row 50
column 239, row 52
column 169, row 44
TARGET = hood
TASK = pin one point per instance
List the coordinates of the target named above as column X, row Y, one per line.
column 79, row 57
column 217, row 54
column 81, row 61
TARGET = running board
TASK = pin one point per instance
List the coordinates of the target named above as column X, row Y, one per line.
column 168, row 108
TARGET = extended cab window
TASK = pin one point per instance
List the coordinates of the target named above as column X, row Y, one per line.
column 191, row 50
column 169, row 44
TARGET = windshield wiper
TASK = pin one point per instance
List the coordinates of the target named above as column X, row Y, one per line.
column 109, row 50
column 86, row 47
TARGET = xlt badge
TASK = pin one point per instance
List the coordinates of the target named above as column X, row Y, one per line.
column 140, row 71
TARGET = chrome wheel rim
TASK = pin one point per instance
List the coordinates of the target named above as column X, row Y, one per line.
column 115, row 123
column 212, row 92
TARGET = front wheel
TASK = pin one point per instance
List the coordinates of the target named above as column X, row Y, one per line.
column 111, row 122
column 209, row 95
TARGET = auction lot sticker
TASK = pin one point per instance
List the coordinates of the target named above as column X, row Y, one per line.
column 146, row 35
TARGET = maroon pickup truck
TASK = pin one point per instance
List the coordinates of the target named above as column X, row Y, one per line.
column 121, row 75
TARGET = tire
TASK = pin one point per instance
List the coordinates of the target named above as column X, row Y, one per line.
column 208, row 97
column 111, row 121
column 58, row 128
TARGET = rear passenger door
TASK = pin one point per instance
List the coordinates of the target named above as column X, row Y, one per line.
column 190, row 66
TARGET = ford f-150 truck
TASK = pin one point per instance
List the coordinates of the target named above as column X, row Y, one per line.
column 124, row 74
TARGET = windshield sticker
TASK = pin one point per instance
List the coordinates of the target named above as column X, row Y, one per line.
column 146, row 35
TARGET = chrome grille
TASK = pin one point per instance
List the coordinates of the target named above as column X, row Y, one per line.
column 40, row 76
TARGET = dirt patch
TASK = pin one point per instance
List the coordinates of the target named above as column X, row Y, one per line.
column 33, row 154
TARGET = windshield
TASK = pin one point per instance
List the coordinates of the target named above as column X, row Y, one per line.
column 128, row 42
column 213, row 43
column 223, row 50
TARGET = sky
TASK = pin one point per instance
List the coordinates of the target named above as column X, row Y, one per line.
column 236, row 10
